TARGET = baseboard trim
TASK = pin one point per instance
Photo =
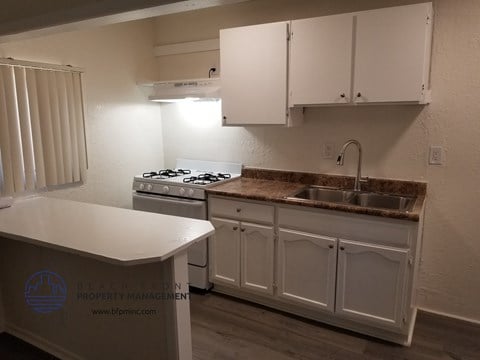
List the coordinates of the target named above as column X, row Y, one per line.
column 456, row 317
column 41, row 343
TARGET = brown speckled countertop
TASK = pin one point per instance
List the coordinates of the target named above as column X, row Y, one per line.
column 276, row 186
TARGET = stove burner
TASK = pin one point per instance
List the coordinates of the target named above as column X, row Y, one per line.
column 165, row 174
column 206, row 178
column 149, row 174
column 224, row 176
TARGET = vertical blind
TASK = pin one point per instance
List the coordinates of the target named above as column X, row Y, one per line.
column 42, row 128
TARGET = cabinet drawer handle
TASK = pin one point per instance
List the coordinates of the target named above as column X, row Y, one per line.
column 330, row 246
column 242, row 230
column 238, row 210
column 342, row 248
column 235, row 228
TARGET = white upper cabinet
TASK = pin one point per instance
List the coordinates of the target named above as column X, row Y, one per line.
column 392, row 54
column 321, row 60
column 253, row 62
column 270, row 72
column 377, row 56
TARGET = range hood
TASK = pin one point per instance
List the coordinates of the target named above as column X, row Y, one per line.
column 190, row 89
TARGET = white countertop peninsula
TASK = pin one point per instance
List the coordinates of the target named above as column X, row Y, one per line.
column 109, row 258
column 115, row 235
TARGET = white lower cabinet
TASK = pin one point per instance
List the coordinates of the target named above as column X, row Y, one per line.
column 350, row 270
column 224, row 252
column 371, row 282
column 306, row 269
column 242, row 252
column 256, row 257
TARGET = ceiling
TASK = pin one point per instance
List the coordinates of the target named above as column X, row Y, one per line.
column 29, row 18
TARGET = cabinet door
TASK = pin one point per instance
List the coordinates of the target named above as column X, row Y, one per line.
column 253, row 62
column 371, row 282
column 306, row 268
column 391, row 56
column 321, row 60
column 257, row 257
column 225, row 252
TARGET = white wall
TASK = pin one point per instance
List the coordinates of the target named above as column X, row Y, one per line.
column 124, row 133
column 395, row 138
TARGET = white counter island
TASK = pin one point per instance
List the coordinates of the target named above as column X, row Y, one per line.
column 85, row 281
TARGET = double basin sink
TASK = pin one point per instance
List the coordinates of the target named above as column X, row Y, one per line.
column 358, row 198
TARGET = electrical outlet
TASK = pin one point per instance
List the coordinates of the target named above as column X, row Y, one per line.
column 436, row 155
column 327, row 151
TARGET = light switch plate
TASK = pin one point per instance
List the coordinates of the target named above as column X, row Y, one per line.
column 327, row 151
column 436, row 155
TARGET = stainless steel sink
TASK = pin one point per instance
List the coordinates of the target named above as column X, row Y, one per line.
column 318, row 193
column 383, row 201
column 350, row 197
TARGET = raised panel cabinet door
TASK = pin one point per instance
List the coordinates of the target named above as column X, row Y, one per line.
column 257, row 257
column 225, row 252
column 253, row 63
column 257, row 243
column 321, row 60
column 391, row 54
column 306, row 269
column 371, row 283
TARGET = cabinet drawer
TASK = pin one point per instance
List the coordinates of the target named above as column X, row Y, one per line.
column 390, row 232
column 241, row 210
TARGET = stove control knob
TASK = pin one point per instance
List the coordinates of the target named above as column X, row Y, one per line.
column 181, row 191
column 141, row 186
column 166, row 189
column 149, row 187
column 191, row 192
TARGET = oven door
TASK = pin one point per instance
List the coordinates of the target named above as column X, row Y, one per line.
column 168, row 205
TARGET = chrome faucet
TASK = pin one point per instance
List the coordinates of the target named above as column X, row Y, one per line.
column 341, row 156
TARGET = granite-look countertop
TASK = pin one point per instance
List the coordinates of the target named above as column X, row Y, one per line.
column 276, row 186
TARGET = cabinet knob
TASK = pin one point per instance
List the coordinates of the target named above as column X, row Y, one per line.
column 342, row 95
column 330, row 246
column 235, row 228
column 242, row 230
column 342, row 248
column 224, row 117
column 359, row 95
column 238, row 210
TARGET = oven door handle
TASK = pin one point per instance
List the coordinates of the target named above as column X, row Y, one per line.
column 169, row 199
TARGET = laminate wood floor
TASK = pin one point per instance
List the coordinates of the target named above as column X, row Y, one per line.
column 225, row 328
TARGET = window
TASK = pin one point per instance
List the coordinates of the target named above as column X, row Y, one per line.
column 42, row 127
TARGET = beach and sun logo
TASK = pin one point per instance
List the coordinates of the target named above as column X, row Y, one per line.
column 45, row 292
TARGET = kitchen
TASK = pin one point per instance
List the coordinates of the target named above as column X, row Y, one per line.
column 126, row 135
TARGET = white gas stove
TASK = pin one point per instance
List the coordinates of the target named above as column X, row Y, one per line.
column 181, row 192
column 188, row 180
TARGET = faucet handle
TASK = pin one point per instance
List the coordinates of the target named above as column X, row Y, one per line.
column 359, row 186
column 363, row 181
